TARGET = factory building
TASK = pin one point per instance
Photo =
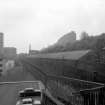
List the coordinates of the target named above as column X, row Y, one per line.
column 1, row 51
column 10, row 53
column 7, row 54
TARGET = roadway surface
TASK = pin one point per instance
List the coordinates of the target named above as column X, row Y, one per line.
column 14, row 81
column 9, row 92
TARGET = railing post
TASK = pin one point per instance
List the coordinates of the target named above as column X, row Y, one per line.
column 46, row 77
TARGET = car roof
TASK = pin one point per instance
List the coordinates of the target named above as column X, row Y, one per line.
column 29, row 89
column 27, row 99
column 38, row 90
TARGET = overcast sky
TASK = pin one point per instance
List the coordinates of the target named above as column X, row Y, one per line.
column 43, row 22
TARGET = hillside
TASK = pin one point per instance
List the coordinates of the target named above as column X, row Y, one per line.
column 89, row 42
column 67, row 38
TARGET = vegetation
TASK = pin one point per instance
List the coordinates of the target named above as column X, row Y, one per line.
column 86, row 42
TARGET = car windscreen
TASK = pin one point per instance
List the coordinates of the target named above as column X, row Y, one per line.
column 30, row 94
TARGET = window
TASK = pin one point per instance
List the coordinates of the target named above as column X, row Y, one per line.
column 1, row 59
column 1, row 65
column 30, row 94
column 1, row 70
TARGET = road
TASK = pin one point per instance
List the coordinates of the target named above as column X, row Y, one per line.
column 9, row 92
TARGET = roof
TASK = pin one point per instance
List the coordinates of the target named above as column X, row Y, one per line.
column 73, row 55
column 29, row 88
column 27, row 99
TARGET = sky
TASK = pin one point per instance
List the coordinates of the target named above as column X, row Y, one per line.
column 42, row 22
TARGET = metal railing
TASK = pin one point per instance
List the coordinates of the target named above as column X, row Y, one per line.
column 94, row 96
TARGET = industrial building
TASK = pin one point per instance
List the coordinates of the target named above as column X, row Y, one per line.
column 1, row 52
column 9, row 53
column 6, row 53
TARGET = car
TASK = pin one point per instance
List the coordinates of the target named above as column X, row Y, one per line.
column 36, row 95
column 27, row 101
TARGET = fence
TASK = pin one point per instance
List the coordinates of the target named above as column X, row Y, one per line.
column 94, row 96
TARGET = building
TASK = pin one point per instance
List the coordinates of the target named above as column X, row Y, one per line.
column 6, row 53
column 1, row 40
column 1, row 51
column 33, row 52
column 1, row 45
column 10, row 53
